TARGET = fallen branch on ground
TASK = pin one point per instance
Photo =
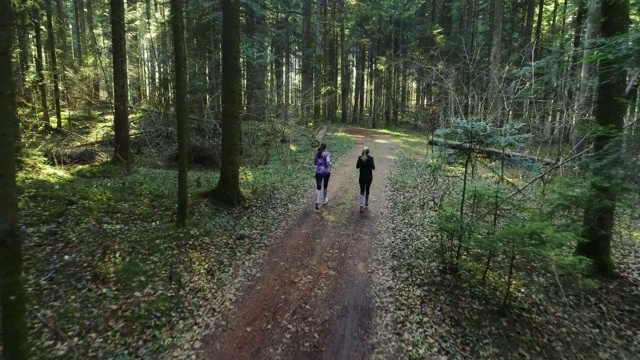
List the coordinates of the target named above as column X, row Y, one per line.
column 490, row 151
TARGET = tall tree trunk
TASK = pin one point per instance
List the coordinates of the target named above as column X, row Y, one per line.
column 153, row 62
column 278, row 65
column 610, row 110
column 359, row 79
column 82, row 27
column 306, row 65
column 287, row 64
column 528, row 29
column 95, row 55
column 78, row 12
column 54, row 65
column 24, row 46
column 215, row 66
column 228, row 188
column 255, row 66
column 584, row 96
column 344, row 66
column 363, row 59
column 62, row 60
column 13, row 299
column 61, row 24
column 122, row 151
column 318, row 98
column 40, row 70
column 182, row 111
column 538, row 35
column 495, row 82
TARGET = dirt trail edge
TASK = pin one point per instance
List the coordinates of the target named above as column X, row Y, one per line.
column 311, row 299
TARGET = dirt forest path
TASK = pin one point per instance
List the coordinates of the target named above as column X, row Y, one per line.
column 310, row 299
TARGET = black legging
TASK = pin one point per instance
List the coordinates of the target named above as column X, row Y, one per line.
column 364, row 186
column 320, row 178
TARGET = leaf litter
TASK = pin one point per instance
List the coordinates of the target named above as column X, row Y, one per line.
column 422, row 313
column 109, row 276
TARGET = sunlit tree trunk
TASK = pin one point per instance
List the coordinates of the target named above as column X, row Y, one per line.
column 318, row 98
column 358, row 92
column 344, row 66
column 153, row 63
column 12, row 299
column 24, row 47
column 95, row 52
column 40, row 69
column 306, row 70
column 53, row 65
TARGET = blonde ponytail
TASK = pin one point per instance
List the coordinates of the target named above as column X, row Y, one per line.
column 365, row 154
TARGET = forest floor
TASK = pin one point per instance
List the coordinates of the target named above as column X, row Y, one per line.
column 109, row 276
column 311, row 298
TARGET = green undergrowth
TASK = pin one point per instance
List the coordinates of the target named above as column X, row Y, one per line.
column 108, row 274
column 514, row 288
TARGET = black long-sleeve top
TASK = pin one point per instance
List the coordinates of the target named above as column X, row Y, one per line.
column 366, row 168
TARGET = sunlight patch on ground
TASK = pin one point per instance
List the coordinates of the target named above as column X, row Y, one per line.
column 54, row 174
column 247, row 175
column 381, row 141
column 330, row 217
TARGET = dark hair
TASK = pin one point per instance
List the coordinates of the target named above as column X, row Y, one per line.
column 322, row 147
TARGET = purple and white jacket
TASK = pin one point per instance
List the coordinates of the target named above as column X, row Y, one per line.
column 323, row 164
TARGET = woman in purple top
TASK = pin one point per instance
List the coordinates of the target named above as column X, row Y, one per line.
column 322, row 161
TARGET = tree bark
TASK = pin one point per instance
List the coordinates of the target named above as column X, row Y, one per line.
column 255, row 65
column 359, row 81
column 538, row 35
column 344, row 66
column 122, row 151
column 35, row 17
column 78, row 12
column 24, row 46
column 95, row 52
column 228, row 188
column 584, row 96
column 528, row 29
column 495, row 80
column 609, row 115
column 318, row 84
column 13, row 299
column 182, row 111
column 54, row 65
column 307, row 59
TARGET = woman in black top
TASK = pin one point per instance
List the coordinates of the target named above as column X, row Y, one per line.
column 366, row 165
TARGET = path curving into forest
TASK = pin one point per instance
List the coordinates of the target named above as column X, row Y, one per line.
column 311, row 298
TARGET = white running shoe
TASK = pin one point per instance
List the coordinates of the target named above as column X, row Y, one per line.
column 326, row 200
